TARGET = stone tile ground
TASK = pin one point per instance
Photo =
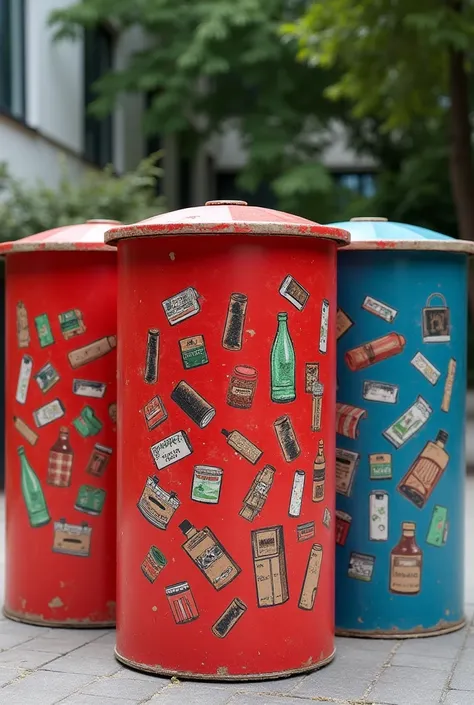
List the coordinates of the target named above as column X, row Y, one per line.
column 41, row 666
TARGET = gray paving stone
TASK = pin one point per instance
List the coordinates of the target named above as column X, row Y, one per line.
column 443, row 665
column 61, row 641
column 124, row 688
column 42, row 688
column 25, row 658
column 269, row 700
column 332, row 683
column 463, row 678
column 378, row 645
column 79, row 699
column 281, row 686
column 408, row 686
column 8, row 673
column 194, row 693
column 139, row 675
column 446, row 646
column 95, row 661
column 459, row 697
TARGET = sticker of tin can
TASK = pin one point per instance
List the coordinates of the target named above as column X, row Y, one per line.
column 242, row 386
column 343, row 524
column 182, row 603
column 207, row 482
column 193, row 404
column 436, row 326
column 153, row 564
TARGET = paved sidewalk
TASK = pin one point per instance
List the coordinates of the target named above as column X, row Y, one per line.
column 41, row 666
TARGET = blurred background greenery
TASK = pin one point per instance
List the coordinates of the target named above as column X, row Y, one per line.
column 395, row 77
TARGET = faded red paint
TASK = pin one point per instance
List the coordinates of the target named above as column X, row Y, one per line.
column 266, row 641
column 44, row 586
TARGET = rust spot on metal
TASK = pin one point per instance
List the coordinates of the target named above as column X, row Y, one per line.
column 56, row 602
column 442, row 627
column 222, row 671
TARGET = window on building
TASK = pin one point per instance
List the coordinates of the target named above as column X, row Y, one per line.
column 362, row 183
column 12, row 57
column 98, row 133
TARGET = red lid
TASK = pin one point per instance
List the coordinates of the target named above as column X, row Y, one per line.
column 245, row 371
column 227, row 218
column 82, row 236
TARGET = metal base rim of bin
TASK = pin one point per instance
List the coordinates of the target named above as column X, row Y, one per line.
column 411, row 634
column 158, row 671
column 40, row 622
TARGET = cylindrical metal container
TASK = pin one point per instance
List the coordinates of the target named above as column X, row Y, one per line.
column 401, row 328
column 242, row 302
column 60, row 428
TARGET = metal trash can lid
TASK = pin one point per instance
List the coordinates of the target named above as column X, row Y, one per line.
column 80, row 236
column 371, row 233
column 227, row 218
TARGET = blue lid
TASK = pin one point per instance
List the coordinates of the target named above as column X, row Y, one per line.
column 382, row 234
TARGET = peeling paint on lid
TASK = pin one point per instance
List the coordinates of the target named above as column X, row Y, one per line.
column 374, row 233
column 227, row 218
column 80, row 236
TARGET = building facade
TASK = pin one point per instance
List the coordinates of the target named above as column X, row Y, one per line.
column 46, row 85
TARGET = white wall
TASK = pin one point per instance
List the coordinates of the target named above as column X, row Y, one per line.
column 55, row 110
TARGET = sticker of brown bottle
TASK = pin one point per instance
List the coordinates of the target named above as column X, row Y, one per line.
column 257, row 495
column 406, row 561
column 269, row 564
column 425, row 472
column 209, row 555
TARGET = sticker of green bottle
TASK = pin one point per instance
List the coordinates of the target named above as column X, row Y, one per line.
column 282, row 364
column 32, row 492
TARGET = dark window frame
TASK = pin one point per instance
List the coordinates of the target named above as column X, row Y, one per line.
column 99, row 45
column 12, row 97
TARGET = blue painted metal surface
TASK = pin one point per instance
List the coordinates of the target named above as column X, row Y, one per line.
column 396, row 473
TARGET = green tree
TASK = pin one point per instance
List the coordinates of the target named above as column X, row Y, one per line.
column 208, row 63
column 402, row 61
column 29, row 209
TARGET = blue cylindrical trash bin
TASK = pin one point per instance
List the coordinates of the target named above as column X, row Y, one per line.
column 401, row 327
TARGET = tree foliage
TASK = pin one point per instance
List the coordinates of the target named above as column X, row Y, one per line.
column 392, row 54
column 25, row 210
column 210, row 63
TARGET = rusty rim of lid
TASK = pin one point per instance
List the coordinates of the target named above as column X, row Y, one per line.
column 415, row 238
column 227, row 218
column 76, row 237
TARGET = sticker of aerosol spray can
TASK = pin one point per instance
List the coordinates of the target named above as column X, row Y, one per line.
column 234, row 322
column 286, row 436
column 311, row 578
column 282, row 364
column 229, row 618
column 323, row 331
column 152, row 356
column 296, row 497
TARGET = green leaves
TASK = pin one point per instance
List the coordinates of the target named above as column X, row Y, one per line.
column 25, row 210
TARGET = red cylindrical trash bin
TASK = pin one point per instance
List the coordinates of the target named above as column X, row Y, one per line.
column 60, row 427
column 226, row 399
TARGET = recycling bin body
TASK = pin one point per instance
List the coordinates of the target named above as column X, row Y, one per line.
column 225, row 560
column 400, row 466
column 60, row 427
